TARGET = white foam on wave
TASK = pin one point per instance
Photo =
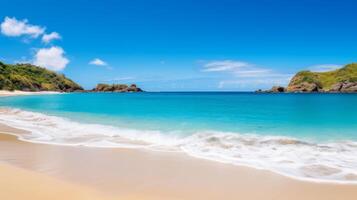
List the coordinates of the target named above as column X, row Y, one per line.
column 330, row 162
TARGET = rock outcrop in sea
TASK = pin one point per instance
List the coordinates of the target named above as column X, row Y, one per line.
column 116, row 88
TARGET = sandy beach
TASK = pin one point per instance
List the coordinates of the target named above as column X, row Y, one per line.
column 178, row 100
column 40, row 171
column 17, row 183
column 5, row 93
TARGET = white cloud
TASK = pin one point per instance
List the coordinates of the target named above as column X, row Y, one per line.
column 14, row 28
column 51, row 58
column 245, row 75
column 225, row 65
column 324, row 68
column 98, row 62
column 256, row 83
column 47, row 38
column 239, row 69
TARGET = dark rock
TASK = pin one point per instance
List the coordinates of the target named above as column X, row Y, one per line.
column 339, row 80
column 336, row 87
column 116, row 88
column 277, row 89
column 345, row 86
column 304, row 87
column 274, row 89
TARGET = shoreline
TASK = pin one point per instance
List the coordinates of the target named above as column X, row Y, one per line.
column 6, row 93
column 126, row 142
column 168, row 175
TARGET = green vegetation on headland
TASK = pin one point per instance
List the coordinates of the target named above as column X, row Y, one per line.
column 101, row 87
column 340, row 80
column 27, row 77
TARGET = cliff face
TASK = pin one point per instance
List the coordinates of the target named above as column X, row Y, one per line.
column 116, row 88
column 27, row 77
column 340, row 80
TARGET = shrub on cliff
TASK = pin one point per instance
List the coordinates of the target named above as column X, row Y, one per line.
column 29, row 77
column 343, row 80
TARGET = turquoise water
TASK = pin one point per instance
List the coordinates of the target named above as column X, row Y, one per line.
column 312, row 116
column 305, row 136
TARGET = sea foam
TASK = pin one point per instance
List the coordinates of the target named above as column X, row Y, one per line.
column 312, row 161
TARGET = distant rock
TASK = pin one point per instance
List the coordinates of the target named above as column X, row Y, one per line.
column 101, row 87
column 277, row 89
column 274, row 89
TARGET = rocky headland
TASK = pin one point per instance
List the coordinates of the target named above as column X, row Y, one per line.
column 27, row 77
column 343, row 80
column 31, row 78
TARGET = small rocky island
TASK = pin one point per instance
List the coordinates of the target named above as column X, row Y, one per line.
column 28, row 77
column 343, row 80
column 116, row 88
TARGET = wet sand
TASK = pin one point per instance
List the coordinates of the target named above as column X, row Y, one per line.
column 142, row 174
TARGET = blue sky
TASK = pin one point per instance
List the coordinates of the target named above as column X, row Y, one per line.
column 180, row 45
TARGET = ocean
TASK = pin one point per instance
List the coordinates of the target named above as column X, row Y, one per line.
column 306, row 136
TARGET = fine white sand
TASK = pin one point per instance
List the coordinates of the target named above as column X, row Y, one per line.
column 141, row 174
column 4, row 93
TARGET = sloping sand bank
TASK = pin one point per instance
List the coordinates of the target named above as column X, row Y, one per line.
column 140, row 174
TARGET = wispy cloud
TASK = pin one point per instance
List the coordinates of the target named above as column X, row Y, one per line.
column 117, row 79
column 244, row 74
column 13, row 28
column 225, row 66
column 98, row 62
column 47, row 38
column 23, row 60
column 239, row 69
column 324, row 67
column 260, row 83
column 52, row 58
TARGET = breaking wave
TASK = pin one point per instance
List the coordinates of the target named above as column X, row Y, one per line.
column 325, row 161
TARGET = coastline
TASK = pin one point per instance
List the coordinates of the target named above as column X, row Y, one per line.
column 140, row 174
column 6, row 93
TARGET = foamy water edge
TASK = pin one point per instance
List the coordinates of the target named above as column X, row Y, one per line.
column 318, row 162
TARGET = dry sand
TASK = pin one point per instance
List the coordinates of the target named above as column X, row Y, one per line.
column 20, row 184
column 4, row 93
column 42, row 171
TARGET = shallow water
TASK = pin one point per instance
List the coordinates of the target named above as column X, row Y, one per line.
column 309, row 136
